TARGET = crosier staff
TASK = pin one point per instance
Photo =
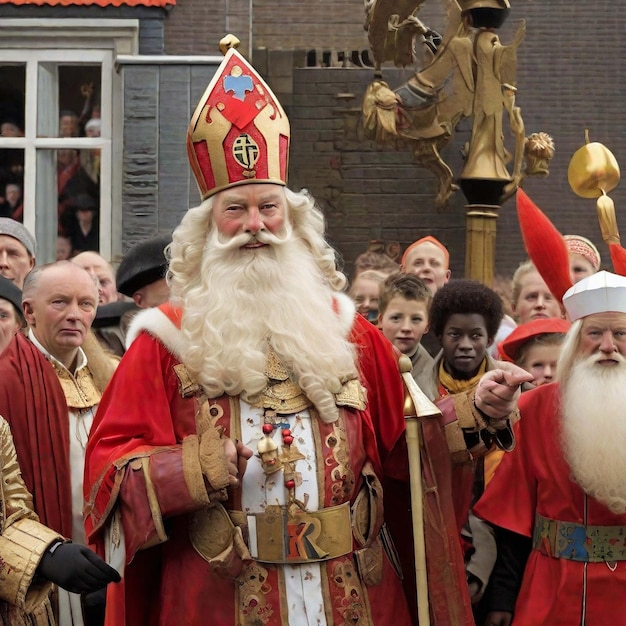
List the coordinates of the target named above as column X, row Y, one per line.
column 417, row 405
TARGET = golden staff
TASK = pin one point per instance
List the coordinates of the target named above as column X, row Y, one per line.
column 417, row 405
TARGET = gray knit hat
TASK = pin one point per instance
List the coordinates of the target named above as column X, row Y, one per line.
column 16, row 230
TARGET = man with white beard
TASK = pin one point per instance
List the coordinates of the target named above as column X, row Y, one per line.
column 257, row 364
column 558, row 501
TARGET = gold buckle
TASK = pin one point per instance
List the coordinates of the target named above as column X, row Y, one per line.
column 288, row 537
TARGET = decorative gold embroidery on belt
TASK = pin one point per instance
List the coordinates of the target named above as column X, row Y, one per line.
column 300, row 536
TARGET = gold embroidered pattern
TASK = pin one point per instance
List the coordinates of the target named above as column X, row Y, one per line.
column 351, row 605
column 352, row 395
column 187, row 385
column 80, row 391
column 283, row 394
column 342, row 473
column 254, row 608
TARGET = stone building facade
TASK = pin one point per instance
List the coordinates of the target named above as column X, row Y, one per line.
column 570, row 72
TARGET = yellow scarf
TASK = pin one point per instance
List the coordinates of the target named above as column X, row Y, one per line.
column 449, row 385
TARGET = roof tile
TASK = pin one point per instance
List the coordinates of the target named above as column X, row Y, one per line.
column 100, row 3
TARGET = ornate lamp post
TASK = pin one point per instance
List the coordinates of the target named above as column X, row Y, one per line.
column 472, row 75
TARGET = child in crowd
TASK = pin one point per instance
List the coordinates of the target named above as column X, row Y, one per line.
column 536, row 346
column 365, row 292
column 465, row 317
column 403, row 314
column 530, row 296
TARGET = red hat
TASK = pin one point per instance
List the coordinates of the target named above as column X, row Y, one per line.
column 618, row 258
column 428, row 239
column 509, row 348
column 545, row 245
column 239, row 132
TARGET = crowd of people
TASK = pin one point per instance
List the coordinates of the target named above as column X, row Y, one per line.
column 78, row 178
column 215, row 432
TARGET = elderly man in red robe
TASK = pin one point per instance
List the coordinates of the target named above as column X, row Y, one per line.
column 558, row 501
column 259, row 365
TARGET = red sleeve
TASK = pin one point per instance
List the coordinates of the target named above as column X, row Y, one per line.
column 132, row 421
column 378, row 366
column 510, row 499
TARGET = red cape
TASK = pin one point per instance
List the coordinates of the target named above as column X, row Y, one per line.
column 447, row 587
column 32, row 401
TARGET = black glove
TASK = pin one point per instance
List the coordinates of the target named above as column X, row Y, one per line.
column 94, row 605
column 75, row 568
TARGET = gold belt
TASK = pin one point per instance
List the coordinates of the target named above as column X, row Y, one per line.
column 577, row 542
column 282, row 536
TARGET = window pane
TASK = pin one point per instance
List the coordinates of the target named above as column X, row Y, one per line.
column 12, row 87
column 12, row 184
column 79, row 98
column 78, row 174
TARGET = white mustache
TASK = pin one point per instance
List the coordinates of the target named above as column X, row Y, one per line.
column 218, row 241
column 596, row 358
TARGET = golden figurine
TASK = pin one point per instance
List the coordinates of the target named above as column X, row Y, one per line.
column 472, row 74
column 268, row 453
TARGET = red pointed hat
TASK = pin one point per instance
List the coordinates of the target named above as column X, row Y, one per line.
column 618, row 258
column 509, row 348
column 239, row 132
column 545, row 245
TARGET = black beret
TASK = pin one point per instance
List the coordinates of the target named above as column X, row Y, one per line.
column 110, row 314
column 142, row 265
column 11, row 292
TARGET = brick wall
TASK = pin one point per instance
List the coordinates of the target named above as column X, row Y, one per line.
column 570, row 77
column 195, row 26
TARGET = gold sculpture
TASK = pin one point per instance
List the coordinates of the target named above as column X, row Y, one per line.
column 472, row 74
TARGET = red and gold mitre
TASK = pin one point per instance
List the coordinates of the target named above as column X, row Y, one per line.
column 239, row 132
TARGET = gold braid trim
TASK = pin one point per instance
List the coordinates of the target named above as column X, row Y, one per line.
column 153, row 501
column 456, row 443
column 468, row 415
column 194, row 479
column 467, row 420
column 212, row 459
column 24, row 543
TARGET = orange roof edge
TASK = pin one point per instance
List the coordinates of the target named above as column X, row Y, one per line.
column 100, row 3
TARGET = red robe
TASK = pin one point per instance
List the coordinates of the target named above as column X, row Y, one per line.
column 445, row 487
column 143, row 413
column 32, row 401
column 534, row 478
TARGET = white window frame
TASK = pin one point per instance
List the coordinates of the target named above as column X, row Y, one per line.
column 42, row 45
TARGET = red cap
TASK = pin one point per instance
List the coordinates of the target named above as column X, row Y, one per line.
column 428, row 239
column 545, row 245
column 509, row 348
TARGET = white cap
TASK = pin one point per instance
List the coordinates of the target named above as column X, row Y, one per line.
column 599, row 293
column 94, row 122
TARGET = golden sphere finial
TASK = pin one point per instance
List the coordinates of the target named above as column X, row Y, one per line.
column 228, row 42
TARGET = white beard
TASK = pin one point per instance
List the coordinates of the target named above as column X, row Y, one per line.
column 594, row 430
column 244, row 300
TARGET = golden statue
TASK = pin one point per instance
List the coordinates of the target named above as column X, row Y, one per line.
column 472, row 74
